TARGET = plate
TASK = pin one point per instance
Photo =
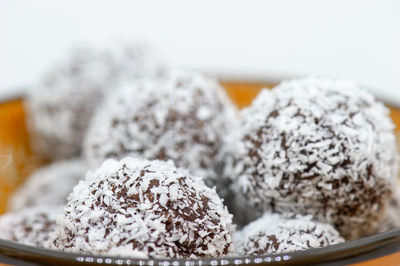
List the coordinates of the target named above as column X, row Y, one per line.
column 17, row 161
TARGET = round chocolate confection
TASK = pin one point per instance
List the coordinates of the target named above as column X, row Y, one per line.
column 60, row 108
column 316, row 146
column 49, row 185
column 183, row 116
column 275, row 233
column 139, row 208
column 31, row 226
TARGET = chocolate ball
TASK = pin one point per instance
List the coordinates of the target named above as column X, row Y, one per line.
column 183, row 116
column 60, row 107
column 316, row 146
column 31, row 226
column 275, row 233
column 49, row 185
column 144, row 209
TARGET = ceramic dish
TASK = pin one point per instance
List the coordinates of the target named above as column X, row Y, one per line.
column 17, row 161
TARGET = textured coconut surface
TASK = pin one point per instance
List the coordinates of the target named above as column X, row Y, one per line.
column 64, row 100
column 275, row 233
column 48, row 185
column 140, row 208
column 323, row 142
column 31, row 226
column 183, row 116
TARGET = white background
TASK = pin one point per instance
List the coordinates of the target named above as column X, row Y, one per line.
column 356, row 39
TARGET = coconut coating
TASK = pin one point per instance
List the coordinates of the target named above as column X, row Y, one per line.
column 49, row 185
column 31, row 226
column 276, row 233
column 60, row 108
column 183, row 116
column 321, row 142
column 140, row 208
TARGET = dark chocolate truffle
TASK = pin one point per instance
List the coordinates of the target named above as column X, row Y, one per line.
column 316, row 146
column 31, row 226
column 183, row 116
column 140, row 208
column 275, row 233
column 60, row 108
column 49, row 185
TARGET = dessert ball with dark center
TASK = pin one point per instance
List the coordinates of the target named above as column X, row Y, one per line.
column 183, row 116
column 49, row 185
column 31, row 226
column 140, row 208
column 275, row 233
column 60, row 107
column 316, row 146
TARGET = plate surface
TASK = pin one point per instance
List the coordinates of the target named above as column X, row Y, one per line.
column 17, row 161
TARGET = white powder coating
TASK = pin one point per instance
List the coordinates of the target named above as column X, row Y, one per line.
column 139, row 208
column 49, row 185
column 275, row 233
column 31, row 226
column 60, row 108
column 316, row 146
column 183, row 116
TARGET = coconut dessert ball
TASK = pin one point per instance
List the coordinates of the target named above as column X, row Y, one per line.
column 49, row 185
column 275, row 233
column 140, row 208
column 316, row 146
column 31, row 226
column 60, row 108
column 183, row 116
